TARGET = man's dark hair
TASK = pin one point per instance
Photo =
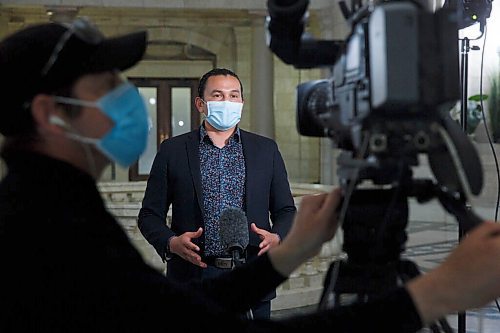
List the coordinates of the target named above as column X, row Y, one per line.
column 215, row 72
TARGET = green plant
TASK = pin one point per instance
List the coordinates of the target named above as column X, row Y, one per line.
column 494, row 108
column 474, row 114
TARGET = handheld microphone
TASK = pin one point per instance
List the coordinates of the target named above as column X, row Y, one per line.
column 233, row 230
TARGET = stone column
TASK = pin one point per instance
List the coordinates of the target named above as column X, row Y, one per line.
column 262, row 81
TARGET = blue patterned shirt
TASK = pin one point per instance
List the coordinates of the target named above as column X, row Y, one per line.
column 223, row 184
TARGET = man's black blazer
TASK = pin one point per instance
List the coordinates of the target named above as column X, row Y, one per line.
column 175, row 180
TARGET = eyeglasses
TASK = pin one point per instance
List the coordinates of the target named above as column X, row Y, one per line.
column 81, row 28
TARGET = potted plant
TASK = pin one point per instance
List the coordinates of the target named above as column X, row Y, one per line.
column 474, row 114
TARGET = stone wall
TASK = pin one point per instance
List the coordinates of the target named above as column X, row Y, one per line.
column 227, row 35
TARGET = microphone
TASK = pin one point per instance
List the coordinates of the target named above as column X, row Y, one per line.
column 233, row 230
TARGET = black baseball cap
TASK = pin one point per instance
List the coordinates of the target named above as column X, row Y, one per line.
column 45, row 57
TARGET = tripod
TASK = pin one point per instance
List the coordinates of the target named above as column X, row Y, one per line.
column 464, row 74
column 374, row 237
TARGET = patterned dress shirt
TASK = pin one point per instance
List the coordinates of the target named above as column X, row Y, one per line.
column 223, row 184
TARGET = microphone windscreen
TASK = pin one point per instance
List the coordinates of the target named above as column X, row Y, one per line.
column 233, row 228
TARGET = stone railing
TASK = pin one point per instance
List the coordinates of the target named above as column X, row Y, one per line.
column 304, row 286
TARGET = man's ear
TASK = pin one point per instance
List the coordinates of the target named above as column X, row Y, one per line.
column 200, row 104
column 46, row 116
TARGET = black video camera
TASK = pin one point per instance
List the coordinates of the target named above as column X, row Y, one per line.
column 393, row 81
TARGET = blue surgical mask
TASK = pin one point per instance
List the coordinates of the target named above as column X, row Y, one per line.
column 127, row 140
column 223, row 115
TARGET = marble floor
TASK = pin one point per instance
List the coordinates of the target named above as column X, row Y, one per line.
column 428, row 244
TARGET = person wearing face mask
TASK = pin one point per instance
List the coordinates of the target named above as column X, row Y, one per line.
column 201, row 174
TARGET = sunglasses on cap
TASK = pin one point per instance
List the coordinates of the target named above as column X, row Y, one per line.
column 83, row 29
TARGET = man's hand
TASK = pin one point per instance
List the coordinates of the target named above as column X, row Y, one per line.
column 186, row 249
column 268, row 239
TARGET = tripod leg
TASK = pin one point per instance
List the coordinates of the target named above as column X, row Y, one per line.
column 446, row 327
column 434, row 328
column 329, row 286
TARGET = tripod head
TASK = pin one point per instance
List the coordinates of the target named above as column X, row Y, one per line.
column 375, row 220
column 454, row 162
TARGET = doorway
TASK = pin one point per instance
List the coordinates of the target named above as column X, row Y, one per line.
column 170, row 104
